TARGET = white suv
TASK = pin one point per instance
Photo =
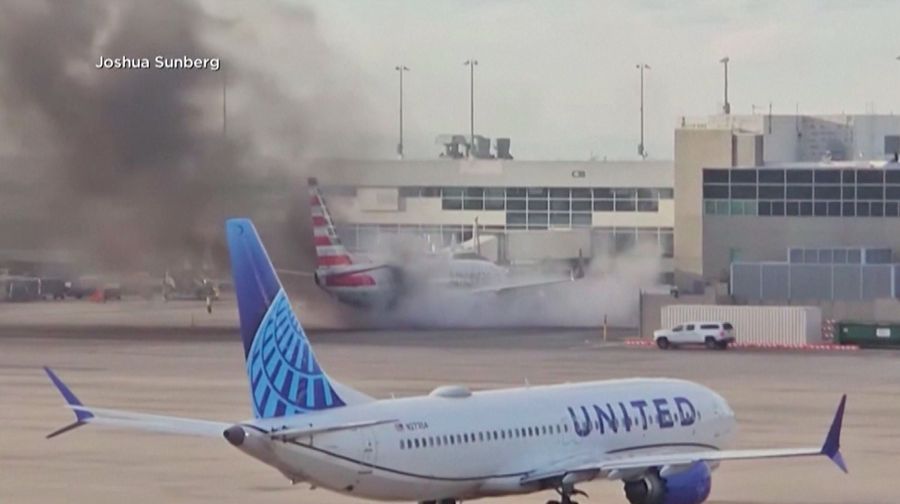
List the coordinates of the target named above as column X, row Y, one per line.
column 710, row 334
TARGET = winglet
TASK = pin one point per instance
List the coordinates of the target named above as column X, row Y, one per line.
column 832, row 445
column 81, row 414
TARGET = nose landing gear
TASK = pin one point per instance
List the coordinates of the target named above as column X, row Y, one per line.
column 565, row 496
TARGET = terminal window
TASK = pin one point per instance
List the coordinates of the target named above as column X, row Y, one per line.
column 547, row 207
column 825, row 192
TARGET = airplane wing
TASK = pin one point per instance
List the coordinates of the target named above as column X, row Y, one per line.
column 130, row 420
column 631, row 466
column 363, row 268
column 504, row 288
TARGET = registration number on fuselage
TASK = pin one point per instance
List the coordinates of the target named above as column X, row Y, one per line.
column 411, row 426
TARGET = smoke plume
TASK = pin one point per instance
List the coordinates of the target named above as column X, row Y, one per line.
column 134, row 167
column 608, row 292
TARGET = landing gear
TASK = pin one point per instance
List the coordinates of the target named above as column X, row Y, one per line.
column 565, row 496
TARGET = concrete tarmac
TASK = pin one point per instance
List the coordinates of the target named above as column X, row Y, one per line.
column 781, row 399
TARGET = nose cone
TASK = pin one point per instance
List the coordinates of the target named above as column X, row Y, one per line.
column 235, row 435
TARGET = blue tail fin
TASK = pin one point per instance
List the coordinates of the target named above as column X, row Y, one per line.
column 285, row 378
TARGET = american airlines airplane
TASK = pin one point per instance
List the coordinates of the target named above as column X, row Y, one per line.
column 366, row 284
column 660, row 437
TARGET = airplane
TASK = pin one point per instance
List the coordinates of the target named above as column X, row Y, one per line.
column 379, row 285
column 661, row 437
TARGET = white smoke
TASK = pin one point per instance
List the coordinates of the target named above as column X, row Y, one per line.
column 609, row 290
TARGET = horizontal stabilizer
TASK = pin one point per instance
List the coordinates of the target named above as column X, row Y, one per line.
column 130, row 420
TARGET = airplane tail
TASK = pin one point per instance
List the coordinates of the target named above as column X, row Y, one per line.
column 285, row 378
column 329, row 249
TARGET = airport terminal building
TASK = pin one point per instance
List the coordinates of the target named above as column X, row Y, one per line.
column 537, row 209
column 789, row 209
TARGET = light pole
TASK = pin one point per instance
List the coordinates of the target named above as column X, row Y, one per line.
column 727, row 107
column 471, row 64
column 400, row 69
column 641, row 151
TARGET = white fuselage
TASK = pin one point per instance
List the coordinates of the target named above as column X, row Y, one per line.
column 465, row 447
column 379, row 288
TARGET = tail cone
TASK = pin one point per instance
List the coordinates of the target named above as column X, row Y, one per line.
column 235, row 435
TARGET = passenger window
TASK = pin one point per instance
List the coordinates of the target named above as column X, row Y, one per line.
column 558, row 429
column 481, row 436
column 402, row 445
column 728, row 326
column 417, row 443
column 677, row 328
column 709, row 326
column 502, row 434
column 430, row 441
column 452, row 441
column 459, row 439
column 495, row 436
column 438, row 440
column 690, row 327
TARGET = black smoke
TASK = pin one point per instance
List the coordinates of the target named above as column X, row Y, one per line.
column 133, row 167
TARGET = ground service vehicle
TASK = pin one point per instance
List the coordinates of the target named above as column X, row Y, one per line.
column 712, row 335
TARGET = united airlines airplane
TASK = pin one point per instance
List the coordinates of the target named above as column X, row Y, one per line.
column 660, row 437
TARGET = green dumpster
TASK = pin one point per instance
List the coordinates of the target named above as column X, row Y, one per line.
column 867, row 334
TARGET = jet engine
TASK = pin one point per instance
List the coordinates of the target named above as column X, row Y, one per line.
column 688, row 486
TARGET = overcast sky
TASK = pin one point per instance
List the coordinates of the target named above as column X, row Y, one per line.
column 559, row 77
